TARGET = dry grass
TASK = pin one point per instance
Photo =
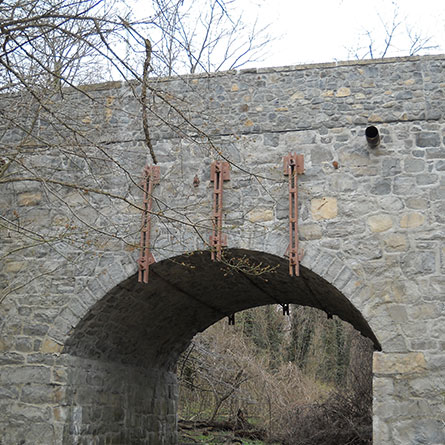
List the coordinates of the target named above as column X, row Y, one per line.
column 225, row 372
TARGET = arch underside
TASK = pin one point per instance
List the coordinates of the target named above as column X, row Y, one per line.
column 151, row 324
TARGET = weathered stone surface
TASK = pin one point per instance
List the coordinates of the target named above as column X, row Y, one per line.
column 379, row 223
column 29, row 199
column 411, row 220
column 260, row 215
column 324, row 208
column 396, row 242
column 50, row 346
column 428, row 139
column 388, row 364
column 343, row 92
column 309, row 231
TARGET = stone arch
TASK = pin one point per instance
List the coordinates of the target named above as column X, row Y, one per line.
column 128, row 342
column 327, row 266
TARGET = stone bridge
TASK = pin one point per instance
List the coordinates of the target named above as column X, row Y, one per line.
column 88, row 354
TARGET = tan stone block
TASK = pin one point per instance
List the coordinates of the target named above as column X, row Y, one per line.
column 248, row 123
column 108, row 107
column 369, row 83
column 406, row 363
column 260, row 215
column 235, row 87
column 343, row 92
column 410, row 220
column 49, row 346
column 29, row 198
column 375, row 118
column 396, row 242
column 409, row 82
column 328, row 93
column 379, row 223
column 297, row 95
column 324, row 208
column 14, row 266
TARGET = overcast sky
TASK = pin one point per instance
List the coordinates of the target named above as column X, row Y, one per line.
column 328, row 30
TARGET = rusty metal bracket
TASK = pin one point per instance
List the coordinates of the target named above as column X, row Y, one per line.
column 293, row 166
column 219, row 172
column 151, row 177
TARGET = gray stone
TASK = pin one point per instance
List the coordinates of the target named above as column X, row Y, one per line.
column 414, row 165
column 427, row 179
column 391, row 167
column 428, row 139
column 381, row 187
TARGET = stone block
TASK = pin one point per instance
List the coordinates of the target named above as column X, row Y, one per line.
column 379, row 223
column 324, row 208
column 427, row 139
column 260, row 215
column 11, row 358
column 14, row 266
column 412, row 220
column 29, row 199
column 396, row 243
column 435, row 153
column 49, row 346
column 416, row 263
column 427, row 179
column 414, row 165
column 39, row 394
column 381, row 187
column 391, row 167
column 25, row 374
column 343, row 92
column 416, row 203
column 397, row 312
column 404, row 185
column 309, row 231
column 399, row 363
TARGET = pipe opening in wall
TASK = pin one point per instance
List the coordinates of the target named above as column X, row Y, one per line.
column 372, row 136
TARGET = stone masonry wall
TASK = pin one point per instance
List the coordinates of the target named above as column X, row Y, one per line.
column 371, row 222
column 108, row 403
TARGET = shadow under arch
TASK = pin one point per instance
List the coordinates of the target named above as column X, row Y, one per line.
column 149, row 325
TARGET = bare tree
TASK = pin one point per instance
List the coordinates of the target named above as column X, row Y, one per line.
column 208, row 35
column 48, row 50
column 394, row 37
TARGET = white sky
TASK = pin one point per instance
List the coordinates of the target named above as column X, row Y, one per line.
column 323, row 30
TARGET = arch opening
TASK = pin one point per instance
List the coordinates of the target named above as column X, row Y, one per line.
column 130, row 340
column 302, row 378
